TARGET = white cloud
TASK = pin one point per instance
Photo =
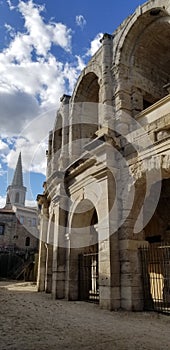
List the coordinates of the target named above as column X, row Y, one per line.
column 81, row 63
column 42, row 35
column 30, row 203
column 2, row 172
column 10, row 30
column 9, row 2
column 32, row 81
column 80, row 21
column 94, row 45
column 21, row 108
column 2, row 201
column 3, row 147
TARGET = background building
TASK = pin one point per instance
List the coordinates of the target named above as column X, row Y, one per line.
column 18, row 224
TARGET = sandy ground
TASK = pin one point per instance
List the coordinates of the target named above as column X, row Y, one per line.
column 31, row 320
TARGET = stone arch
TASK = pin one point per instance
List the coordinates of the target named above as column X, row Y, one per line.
column 88, row 89
column 142, row 56
column 84, row 111
column 83, row 240
column 92, row 68
column 135, row 24
column 89, row 195
column 80, row 225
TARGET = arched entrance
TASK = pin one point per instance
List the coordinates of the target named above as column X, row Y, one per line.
column 83, row 257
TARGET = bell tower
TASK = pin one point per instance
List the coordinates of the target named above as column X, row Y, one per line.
column 16, row 192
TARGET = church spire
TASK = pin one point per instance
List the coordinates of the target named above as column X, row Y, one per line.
column 16, row 191
column 18, row 176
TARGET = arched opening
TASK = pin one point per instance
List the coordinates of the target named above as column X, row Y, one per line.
column 145, row 60
column 83, row 259
column 151, row 64
column 85, row 120
column 17, row 197
column 88, row 89
column 27, row 241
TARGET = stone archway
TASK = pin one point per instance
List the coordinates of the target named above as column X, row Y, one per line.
column 83, row 242
column 142, row 58
column 84, row 113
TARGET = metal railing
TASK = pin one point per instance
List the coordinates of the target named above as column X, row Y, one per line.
column 88, row 277
column 155, row 264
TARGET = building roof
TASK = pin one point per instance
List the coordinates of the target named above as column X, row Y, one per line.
column 6, row 211
column 18, row 176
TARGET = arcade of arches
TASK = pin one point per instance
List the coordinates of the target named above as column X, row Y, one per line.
column 107, row 192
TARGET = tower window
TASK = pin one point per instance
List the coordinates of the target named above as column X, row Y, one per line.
column 17, row 198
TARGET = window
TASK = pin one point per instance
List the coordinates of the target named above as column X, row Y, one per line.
column 17, row 198
column 27, row 242
column 15, row 237
column 21, row 219
column 2, row 229
column 29, row 222
column 34, row 222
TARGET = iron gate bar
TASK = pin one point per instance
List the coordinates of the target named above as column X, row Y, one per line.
column 88, row 277
column 155, row 268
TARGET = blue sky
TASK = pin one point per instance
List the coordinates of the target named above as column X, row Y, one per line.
column 44, row 45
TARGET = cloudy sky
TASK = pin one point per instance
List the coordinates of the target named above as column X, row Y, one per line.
column 44, row 45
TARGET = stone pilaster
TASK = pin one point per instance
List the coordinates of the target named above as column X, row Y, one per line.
column 43, row 242
column 49, row 257
column 106, row 91
column 64, row 110
column 49, row 261
column 49, row 155
column 59, row 247
column 130, row 272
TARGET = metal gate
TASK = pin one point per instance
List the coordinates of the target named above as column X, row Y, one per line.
column 155, row 262
column 88, row 277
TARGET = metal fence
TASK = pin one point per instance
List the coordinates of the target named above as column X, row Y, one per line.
column 155, row 263
column 88, row 277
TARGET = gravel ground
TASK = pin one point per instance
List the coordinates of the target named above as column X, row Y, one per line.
column 31, row 320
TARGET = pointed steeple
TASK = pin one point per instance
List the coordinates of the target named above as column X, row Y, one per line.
column 16, row 191
column 18, row 176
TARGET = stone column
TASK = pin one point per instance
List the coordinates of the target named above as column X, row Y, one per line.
column 42, row 244
column 49, row 258
column 137, row 101
column 106, row 85
column 109, row 268
column 49, row 155
column 131, row 279
column 64, row 110
column 129, row 242
column 122, row 95
column 59, row 248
